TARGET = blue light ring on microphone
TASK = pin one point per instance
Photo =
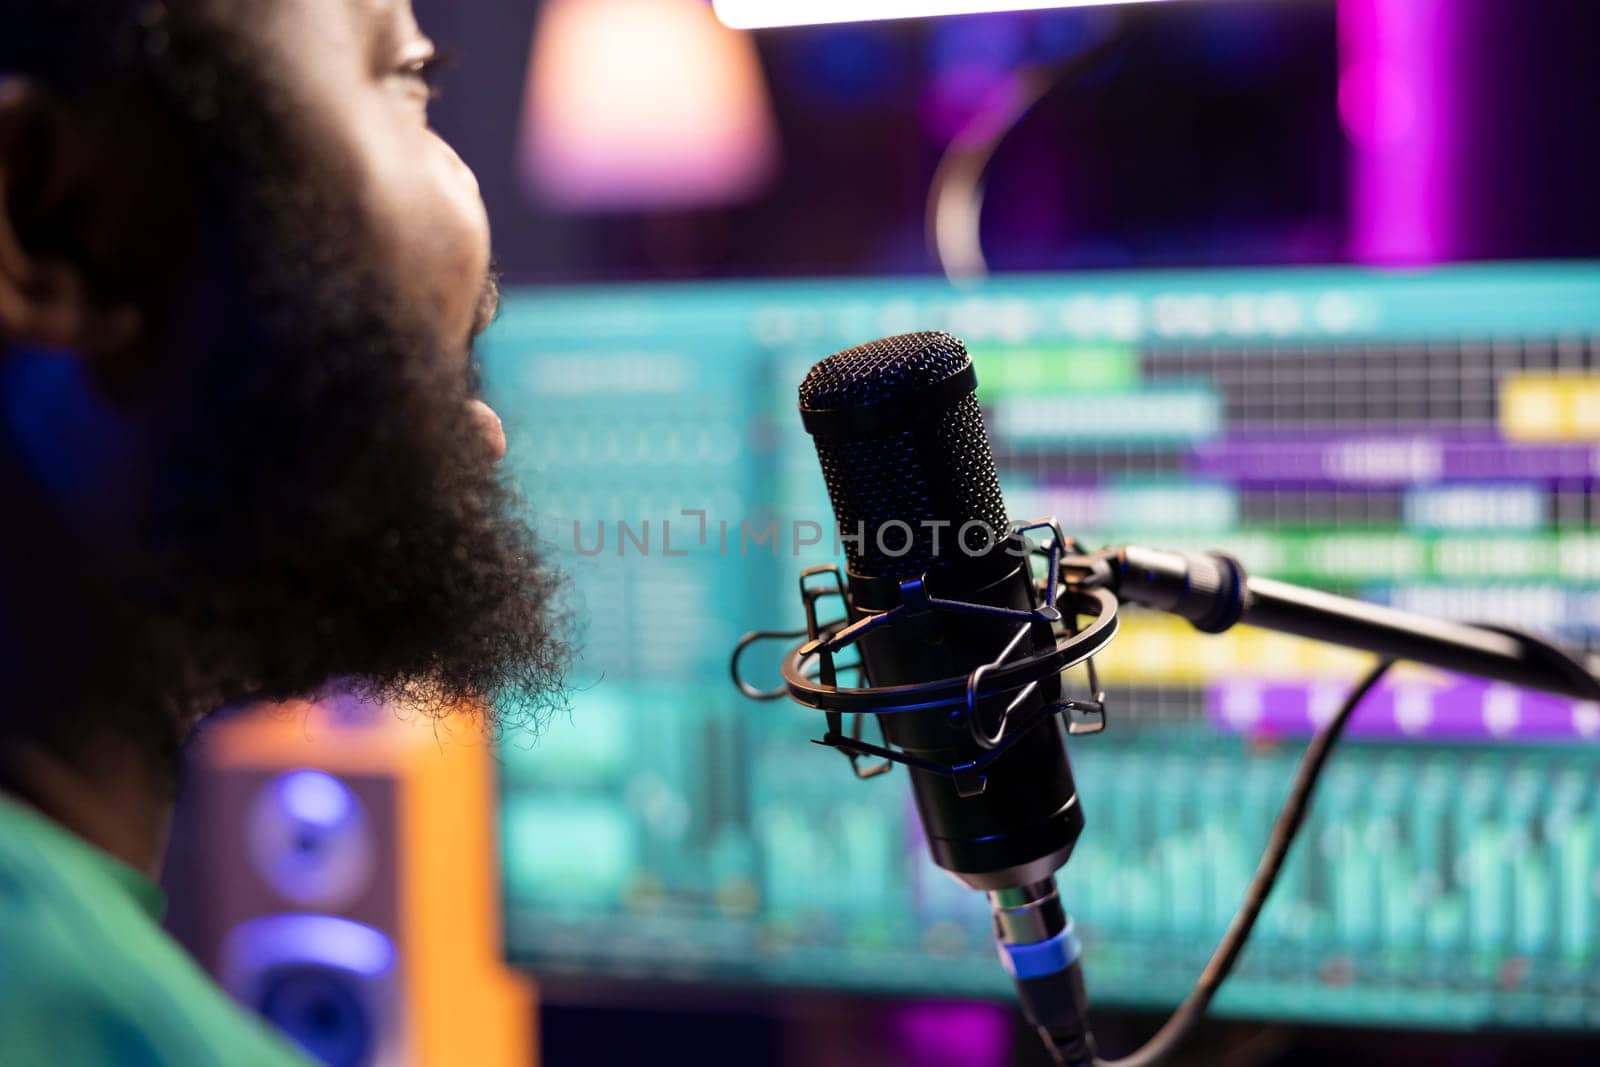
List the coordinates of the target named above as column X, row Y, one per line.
column 903, row 412
column 1041, row 958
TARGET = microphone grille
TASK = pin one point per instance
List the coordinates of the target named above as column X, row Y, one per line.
column 939, row 471
column 881, row 370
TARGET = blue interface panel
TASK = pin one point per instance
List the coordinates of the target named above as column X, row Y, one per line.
column 1429, row 440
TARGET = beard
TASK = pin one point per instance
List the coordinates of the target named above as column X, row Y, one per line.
column 324, row 514
column 328, row 517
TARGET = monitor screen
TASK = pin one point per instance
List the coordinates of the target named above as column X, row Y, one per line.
column 1429, row 440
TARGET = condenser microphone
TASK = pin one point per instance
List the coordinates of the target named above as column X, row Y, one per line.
column 940, row 587
column 917, row 503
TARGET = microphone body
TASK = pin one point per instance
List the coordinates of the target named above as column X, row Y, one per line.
column 914, row 491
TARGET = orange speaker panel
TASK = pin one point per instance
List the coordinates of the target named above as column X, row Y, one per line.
column 350, row 887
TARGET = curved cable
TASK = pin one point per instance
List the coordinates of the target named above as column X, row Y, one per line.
column 1172, row 1033
column 1182, row 1022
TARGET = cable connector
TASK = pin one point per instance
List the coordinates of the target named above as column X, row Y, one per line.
column 1057, row 1006
column 1039, row 948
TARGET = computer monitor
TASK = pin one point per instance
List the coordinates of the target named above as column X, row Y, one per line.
column 1429, row 440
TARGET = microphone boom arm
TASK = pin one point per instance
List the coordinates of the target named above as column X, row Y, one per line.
column 1214, row 593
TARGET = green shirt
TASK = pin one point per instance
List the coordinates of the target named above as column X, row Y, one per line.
column 87, row 975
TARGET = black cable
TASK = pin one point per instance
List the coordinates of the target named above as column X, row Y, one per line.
column 1173, row 1032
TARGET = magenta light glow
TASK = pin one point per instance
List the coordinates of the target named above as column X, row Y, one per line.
column 1397, row 84
column 951, row 1034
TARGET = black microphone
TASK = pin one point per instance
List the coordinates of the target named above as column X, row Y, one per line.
column 909, row 471
column 907, row 462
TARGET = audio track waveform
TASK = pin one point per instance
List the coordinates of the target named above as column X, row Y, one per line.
column 1461, row 882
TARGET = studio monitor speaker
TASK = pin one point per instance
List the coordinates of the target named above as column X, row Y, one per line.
column 347, row 886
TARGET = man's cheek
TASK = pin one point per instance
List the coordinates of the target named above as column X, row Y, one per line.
column 444, row 231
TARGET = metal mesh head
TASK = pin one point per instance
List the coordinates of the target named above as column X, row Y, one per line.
column 882, row 370
column 909, row 494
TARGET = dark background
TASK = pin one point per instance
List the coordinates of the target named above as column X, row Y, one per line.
column 1211, row 136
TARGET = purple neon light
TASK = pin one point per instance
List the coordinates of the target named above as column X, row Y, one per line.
column 1398, row 65
column 316, row 798
column 1389, row 459
column 1462, row 710
column 951, row 1035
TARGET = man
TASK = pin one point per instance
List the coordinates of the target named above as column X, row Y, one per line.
column 239, row 456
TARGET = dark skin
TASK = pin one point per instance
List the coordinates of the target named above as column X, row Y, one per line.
column 356, row 72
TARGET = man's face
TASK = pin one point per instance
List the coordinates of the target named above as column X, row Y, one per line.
column 315, row 497
column 359, row 72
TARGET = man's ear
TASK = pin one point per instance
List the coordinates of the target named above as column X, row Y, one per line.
column 47, row 297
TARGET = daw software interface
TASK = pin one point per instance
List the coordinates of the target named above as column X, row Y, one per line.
column 1401, row 437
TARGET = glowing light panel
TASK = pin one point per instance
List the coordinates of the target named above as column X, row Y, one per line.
column 761, row 14
column 636, row 104
column 1400, row 66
